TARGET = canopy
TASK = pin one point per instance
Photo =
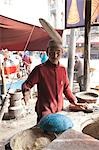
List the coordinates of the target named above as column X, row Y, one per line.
column 94, row 40
column 19, row 36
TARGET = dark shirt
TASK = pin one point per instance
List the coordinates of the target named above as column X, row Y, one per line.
column 52, row 81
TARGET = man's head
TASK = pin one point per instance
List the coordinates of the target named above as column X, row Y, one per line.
column 54, row 51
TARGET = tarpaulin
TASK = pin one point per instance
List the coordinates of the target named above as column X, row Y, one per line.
column 18, row 36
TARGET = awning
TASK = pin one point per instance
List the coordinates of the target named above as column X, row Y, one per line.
column 93, row 40
column 18, row 36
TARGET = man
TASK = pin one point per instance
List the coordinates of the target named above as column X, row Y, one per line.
column 80, row 72
column 52, row 81
column 27, row 61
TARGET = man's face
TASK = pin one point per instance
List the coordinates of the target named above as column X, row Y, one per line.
column 54, row 54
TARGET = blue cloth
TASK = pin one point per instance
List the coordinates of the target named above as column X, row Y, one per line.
column 43, row 57
column 56, row 123
column 13, row 85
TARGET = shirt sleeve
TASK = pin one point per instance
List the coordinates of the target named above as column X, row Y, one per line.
column 67, row 91
column 32, row 79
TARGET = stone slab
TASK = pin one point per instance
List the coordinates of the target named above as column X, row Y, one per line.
column 73, row 140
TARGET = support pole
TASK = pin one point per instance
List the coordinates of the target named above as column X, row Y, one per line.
column 87, row 45
column 71, row 56
column 3, row 80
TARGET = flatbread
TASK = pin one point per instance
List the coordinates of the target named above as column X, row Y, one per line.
column 51, row 31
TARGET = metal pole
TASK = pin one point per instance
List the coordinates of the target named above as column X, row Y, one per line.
column 71, row 56
column 87, row 45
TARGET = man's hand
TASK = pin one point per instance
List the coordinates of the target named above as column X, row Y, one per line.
column 27, row 96
column 81, row 106
column 78, row 107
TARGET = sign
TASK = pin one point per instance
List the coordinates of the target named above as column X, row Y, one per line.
column 75, row 13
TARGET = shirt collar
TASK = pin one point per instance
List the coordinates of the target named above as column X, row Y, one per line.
column 48, row 62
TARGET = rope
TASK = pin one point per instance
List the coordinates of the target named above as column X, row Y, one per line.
column 29, row 38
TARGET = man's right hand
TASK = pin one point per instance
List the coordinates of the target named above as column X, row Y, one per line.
column 27, row 96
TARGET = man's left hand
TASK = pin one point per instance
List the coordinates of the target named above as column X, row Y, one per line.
column 78, row 107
